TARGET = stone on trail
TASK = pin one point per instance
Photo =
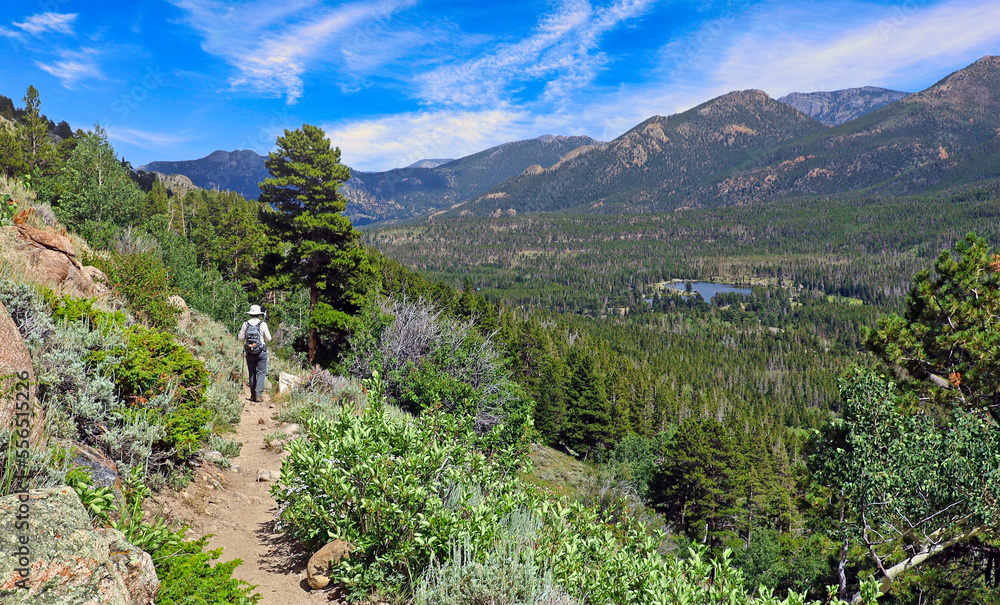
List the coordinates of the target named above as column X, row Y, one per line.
column 321, row 562
column 268, row 475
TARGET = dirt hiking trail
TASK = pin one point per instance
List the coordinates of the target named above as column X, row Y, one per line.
column 239, row 510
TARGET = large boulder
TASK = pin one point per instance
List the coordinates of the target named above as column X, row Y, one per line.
column 321, row 562
column 54, row 261
column 17, row 385
column 50, row 555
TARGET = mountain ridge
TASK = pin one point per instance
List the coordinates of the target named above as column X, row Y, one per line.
column 834, row 108
column 739, row 148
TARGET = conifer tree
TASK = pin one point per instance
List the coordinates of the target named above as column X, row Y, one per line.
column 695, row 485
column 322, row 253
column 35, row 141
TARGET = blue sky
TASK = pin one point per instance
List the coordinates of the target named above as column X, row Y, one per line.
column 395, row 81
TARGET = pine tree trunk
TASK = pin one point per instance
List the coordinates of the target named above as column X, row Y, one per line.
column 313, row 299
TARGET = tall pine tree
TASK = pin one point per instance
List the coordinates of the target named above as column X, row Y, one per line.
column 322, row 252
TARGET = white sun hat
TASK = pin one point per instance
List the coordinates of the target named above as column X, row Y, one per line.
column 255, row 310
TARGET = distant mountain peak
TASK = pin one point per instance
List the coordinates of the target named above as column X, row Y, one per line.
column 239, row 170
column 836, row 107
column 430, row 163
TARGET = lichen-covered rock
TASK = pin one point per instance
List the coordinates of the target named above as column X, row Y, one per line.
column 17, row 384
column 50, row 555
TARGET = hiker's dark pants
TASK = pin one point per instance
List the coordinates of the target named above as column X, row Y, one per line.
column 257, row 367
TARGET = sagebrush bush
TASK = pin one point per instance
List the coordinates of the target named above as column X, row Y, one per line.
column 222, row 399
column 432, row 361
column 28, row 308
column 230, row 448
column 503, row 575
column 322, row 395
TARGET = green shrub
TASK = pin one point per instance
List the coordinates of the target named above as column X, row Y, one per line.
column 413, row 495
column 337, row 485
column 150, row 362
column 136, row 272
column 188, row 578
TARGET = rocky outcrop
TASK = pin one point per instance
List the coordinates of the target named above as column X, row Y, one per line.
column 839, row 106
column 177, row 185
column 103, row 470
column 17, row 384
column 325, row 558
column 54, row 261
column 50, row 555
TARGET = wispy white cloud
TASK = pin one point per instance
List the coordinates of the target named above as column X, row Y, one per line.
column 73, row 66
column 271, row 45
column 144, row 138
column 36, row 25
column 562, row 51
column 842, row 44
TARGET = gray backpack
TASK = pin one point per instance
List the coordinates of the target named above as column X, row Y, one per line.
column 254, row 344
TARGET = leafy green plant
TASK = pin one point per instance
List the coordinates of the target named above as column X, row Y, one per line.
column 8, row 208
column 188, row 578
column 99, row 501
column 130, row 520
column 412, row 495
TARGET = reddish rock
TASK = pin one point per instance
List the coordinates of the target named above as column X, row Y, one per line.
column 69, row 562
column 17, row 383
column 54, row 260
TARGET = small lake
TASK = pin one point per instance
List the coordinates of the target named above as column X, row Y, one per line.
column 707, row 289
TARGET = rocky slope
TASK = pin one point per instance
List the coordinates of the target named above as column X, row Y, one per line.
column 941, row 136
column 833, row 108
column 659, row 164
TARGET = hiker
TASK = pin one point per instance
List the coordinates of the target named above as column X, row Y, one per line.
column 255, row 334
